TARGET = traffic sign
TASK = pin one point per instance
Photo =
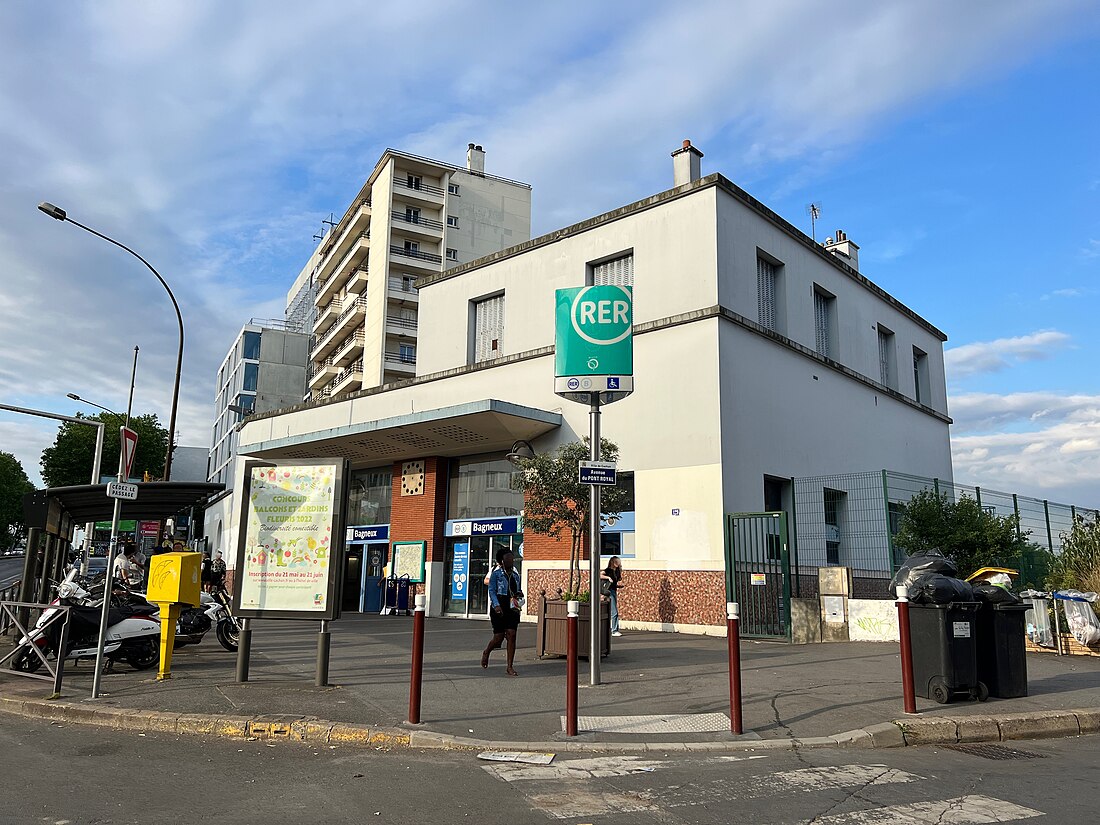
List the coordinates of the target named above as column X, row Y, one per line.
column 120, row 489
column 593, row 342
column 597, row 472
column 129, row 440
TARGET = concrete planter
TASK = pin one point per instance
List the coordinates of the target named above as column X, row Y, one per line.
column 551, row 633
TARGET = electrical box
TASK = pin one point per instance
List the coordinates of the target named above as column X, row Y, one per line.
column 174, row 578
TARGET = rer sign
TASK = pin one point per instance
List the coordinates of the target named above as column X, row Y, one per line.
column 593, row 341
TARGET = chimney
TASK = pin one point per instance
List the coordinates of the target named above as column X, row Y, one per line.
column 844, row 249
column 475, row 160
column 685, row 164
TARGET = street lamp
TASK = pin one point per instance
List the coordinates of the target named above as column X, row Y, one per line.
column 58, row 213
column 76, row 397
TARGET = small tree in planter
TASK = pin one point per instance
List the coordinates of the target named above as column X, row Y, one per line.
column 555, row 502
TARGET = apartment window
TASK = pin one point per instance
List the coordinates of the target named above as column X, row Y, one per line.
column 887, row 358
column 452, row 254
column 412, row 215
column 614, row 272
column 920, row 376
column 767, row 294
column 407, row 353
column 251, row 348
column 488, row 328
column 833, row 501
column 412, row 247
column 251, row 377
column 824, row 322
column 452, row 221
column 414, row 181
column 452, row 188
column 408, row 283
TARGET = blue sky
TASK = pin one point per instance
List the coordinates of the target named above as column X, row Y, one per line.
column 955, row 142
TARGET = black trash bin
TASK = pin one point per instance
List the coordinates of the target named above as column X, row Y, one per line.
column 945, row 658
column 1002, row 658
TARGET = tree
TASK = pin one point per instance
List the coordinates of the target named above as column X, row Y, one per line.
column 13, row 486
column 69, row 460
column 556, row 502
column 1077, row 567
column 962, row 531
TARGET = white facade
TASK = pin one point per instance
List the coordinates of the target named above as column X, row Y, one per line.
column 720, row 402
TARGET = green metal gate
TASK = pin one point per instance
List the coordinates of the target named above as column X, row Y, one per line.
column 758, row 573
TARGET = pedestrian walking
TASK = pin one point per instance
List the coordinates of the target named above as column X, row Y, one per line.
column 611, row 580
column 205, row 571
column 505, row 600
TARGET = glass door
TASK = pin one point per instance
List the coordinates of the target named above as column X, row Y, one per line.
column 477, row 602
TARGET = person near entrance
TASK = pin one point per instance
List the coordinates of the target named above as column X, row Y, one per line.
column 505, row 599
column 610, row 582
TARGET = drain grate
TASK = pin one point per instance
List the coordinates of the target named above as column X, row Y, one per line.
column 996, row 752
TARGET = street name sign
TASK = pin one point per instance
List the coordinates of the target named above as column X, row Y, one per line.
column 593, row 342
column 597, row 472
column 119, row 489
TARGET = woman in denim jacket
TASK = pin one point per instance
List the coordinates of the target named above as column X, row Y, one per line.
column 505, row 601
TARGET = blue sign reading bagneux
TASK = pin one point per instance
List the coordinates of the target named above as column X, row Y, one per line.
column 506, row 526
column 372, row 532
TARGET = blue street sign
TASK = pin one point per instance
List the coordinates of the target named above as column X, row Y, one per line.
column 460, row 578
column 370, row 532
column 597, row 472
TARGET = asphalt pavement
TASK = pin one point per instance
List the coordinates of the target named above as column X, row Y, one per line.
column 679, row 681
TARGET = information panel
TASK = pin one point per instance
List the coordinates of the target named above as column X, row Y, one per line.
column 408, row 560
column 291, row 540
column 460, row 572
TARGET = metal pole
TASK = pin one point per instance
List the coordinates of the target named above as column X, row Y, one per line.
column 416, row 679
column 109, row 581
column 595, row 635
column 244, row 649
column 1057, row 626
column 62, row 645
column 733, row 640
column 89, row 528
column 908, row 695
column 572, row 620
column 324, row 645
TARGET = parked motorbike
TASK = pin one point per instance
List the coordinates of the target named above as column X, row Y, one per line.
column 213, row 611
column 133, row 632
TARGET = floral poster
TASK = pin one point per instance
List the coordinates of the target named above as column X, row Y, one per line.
column 287, row 557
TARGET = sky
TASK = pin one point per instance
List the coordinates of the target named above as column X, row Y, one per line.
column 954, row 142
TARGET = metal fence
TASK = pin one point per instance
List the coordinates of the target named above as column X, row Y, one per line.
column 850, row 520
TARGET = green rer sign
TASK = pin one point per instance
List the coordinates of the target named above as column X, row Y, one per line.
column 593, row 341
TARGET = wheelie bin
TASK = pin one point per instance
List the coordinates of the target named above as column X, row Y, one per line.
column 1002, row 660
column 945, row 657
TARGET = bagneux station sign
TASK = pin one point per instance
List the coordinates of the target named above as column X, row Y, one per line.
column 593, row 343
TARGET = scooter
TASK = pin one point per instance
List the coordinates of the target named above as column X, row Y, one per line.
column 133, row 633
column 195, row 622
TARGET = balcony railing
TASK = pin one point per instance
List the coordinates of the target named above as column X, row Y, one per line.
column 349, row 308
column 418, row 187
column 363, row 236
column 417, row 254
column 417, row 220
column 337, row 230
column 404, row 323
column 398, row 358
column 356, row 336
column 401, row 285
column 319, row 367
column 341, row 377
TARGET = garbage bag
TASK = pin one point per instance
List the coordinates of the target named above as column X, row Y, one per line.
column 995, row 594
column 936, row 588
column 918, row 565
column 1037, row 618
column 1082, row 621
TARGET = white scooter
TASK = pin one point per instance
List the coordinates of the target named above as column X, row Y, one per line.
column 133, row 633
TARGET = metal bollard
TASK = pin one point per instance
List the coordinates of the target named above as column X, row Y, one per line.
column 324, row 644
column 417, row 678
column 573, row 608
column 733, row 640
column 244, row 650
column 908, row 695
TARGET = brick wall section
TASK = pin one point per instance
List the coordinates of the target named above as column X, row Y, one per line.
column 671, row 597
column 423, row 517
column 537, row 547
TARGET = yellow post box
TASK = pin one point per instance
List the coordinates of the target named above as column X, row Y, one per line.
column 173, row 582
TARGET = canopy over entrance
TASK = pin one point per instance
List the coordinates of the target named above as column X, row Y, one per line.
column 55, row 510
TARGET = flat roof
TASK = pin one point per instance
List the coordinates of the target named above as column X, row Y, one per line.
column 88, row 502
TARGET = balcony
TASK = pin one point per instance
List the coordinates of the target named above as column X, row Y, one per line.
column 326, row 317
column 403, row 290
column 403, row 327
column 422, row 192
column 358, row 280
column 331, row 277
column 355, row 215
column 353, row 312
column 348, row 349
column 347, row 378
column 321, row 372
column 401, row 364
column 415, row 259
column 417, row 224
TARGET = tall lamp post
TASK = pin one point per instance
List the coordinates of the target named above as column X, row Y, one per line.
column 59, row 214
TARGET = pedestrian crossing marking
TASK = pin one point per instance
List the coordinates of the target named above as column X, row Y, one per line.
column 963, row 810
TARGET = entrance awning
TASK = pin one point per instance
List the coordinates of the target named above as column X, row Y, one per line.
column 464, row 429
column 156, row 500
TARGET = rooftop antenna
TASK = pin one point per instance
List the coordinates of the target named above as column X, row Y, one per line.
column 814, row 211
column 330, row 220
column 321, row 235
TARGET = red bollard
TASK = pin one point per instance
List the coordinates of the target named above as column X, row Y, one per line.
column 733, row 638
column 573, row 608
column 417, row 660
column 908, row 695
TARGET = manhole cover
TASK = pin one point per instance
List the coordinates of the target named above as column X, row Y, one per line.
column 996, row 752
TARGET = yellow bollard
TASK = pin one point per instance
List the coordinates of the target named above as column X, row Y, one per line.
column 169, row 615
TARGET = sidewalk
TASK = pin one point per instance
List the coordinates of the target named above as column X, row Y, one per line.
column 790, row 692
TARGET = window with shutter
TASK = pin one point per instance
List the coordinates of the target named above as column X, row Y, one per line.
column 766, row 288
column 823, row 332
column 616, row 272
column 488, row 328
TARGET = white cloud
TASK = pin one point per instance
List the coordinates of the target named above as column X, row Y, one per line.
column 1092, row 250
column 978, row 412
column 994, row 356
column 1072, row 292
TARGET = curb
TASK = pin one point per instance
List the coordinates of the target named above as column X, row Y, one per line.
column 941, row 730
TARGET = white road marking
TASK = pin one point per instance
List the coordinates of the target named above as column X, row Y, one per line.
column 666, row 723
column 600, row 767
column 527, row 757
column 803, row 780
column 963, row 810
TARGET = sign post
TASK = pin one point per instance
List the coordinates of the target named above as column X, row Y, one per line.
column 594, row 364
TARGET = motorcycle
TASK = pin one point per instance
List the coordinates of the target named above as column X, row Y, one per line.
column 133, row 632
column 213, row 611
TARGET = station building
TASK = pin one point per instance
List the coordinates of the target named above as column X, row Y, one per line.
column 760, row 356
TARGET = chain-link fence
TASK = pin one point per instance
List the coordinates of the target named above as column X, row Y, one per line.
column 850, row 520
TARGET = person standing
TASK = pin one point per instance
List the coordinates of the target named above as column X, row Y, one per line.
column 505, row 601
column 205, row 571
column 217, row 573
column 613, row 575
column 123, row 567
